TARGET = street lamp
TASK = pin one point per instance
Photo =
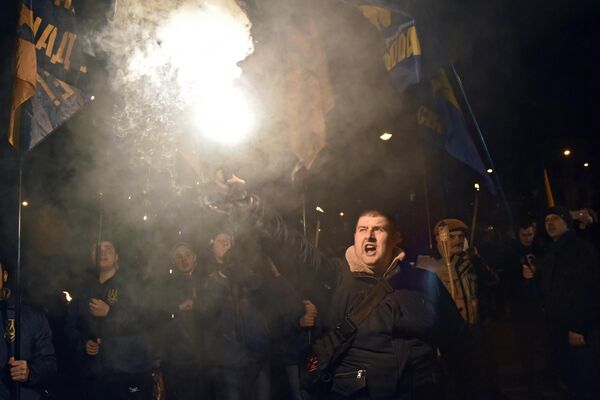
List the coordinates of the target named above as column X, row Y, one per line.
column 567, row 152
column 385, row 136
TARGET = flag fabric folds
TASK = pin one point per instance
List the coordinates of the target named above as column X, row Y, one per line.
column 402, row 57
column 309, row 92
column 50, row 76
column 440, row 119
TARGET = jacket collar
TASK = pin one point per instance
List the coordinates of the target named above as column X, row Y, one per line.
column 356, row 265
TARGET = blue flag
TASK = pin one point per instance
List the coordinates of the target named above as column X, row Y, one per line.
column 50, row 79
column 402, row 57
column 440, row 119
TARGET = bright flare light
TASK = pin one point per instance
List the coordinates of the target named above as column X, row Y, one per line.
column 489, row 170
column 25, row 203
column 476, row 186
column 567, row 152
column 385, row 136
column 200, row 47
column 319, row 209
column 227, row 118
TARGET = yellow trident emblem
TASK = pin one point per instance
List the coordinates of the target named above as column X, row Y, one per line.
column 113, row 296
column 9, row 333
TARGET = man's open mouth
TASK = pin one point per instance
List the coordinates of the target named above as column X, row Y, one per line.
column 370, row 249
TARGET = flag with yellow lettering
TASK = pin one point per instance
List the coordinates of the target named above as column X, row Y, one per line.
column 440, row 119
column 402, row 57
column 50, row 76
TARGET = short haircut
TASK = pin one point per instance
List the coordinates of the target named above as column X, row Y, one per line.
column 374, row 212
column 182, row 244
column 526, row 223
column 108, row 240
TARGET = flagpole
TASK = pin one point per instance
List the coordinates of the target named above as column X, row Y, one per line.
column 304, row 210
column 474, row 219
column 427, row 209
column 17, row 352
column 485, row 147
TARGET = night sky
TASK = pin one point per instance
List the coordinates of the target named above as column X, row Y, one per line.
column 529, row 70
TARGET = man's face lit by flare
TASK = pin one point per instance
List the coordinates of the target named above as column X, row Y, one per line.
column 185, row 259
column 108, row 256
column 221, row 245
column 375, row 241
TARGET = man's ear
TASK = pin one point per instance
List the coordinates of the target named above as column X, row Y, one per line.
column 4, row 276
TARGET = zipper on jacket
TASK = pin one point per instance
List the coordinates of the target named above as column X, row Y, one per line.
column 359, row 374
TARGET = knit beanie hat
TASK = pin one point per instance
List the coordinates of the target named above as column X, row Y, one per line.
column 561, row 212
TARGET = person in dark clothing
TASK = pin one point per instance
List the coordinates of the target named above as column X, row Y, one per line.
column 394, row 354
column 36, row 365
column 237, row 337
column 183, row 336
column 525, row 306
column 292, row 324
column 105, row 325
column 569, row 278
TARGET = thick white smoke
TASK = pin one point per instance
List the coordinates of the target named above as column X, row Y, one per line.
column 173, row 66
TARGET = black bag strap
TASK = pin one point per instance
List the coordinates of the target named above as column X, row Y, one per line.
column 346, row 329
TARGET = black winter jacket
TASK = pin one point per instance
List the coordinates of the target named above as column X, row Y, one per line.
column 396, row 348
column 570, row 284
column 124, row 346
column 36, row 348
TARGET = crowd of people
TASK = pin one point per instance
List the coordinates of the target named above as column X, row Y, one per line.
column 235, row 325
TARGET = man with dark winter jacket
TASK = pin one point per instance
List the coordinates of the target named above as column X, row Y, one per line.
column 36, row 365
column 569, row 277
column 183, row 341
column 237, row 337
column 525, row 306
column 394, row 354
column 106, row 326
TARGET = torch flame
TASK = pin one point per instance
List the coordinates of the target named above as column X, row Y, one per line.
column 67, row 296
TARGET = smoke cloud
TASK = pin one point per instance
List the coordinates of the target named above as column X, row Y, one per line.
column 169, row 63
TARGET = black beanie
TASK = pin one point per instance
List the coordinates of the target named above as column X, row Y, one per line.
column 561, row 212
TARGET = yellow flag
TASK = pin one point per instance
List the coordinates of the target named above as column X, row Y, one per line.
column 549, row 196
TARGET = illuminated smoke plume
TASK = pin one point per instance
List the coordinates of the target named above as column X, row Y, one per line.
column 173, row 68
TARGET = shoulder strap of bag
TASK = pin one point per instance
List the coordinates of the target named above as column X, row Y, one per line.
column 348, row 326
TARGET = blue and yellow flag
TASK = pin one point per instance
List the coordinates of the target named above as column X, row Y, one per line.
column 440, row 119
column 402, row 57
column 51, row 74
